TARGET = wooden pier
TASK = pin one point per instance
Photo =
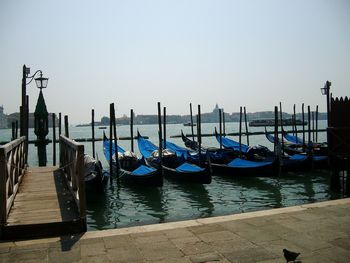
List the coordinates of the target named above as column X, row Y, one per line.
column 41, row 201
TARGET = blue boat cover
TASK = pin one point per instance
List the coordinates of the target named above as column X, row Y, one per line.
column 143, row 170
column 318, row 158
column 146, row 147
column 231, row 144
column 187, row 167
column 180, row 151
column 106, row 149
column 270, row 137
column 293, row 139
column 240, row 163
column 299, row 157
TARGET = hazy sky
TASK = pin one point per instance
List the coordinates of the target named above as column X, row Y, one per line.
column 135, row 53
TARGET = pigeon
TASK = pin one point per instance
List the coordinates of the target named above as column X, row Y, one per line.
column 290, row 256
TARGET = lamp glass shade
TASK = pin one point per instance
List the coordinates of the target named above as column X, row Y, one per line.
column 41, row 82
column 324, row 91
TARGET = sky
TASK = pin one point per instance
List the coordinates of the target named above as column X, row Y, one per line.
column 136, row 53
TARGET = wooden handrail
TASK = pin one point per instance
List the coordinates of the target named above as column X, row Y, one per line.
column 72, row 167
column 12, row 170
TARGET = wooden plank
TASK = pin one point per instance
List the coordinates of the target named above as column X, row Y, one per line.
column 43, row 199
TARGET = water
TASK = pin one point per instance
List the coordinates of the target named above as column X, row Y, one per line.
column 121, row 206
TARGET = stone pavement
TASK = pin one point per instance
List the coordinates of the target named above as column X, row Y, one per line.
column 319, row 231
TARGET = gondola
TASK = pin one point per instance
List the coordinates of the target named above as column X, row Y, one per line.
column 236, row 167
column 94, row 176
column 174, row 167
column 132, row 170
column 298, row 159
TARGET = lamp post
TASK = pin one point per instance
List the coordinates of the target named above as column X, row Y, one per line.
column 24, row 109
column 325, row 91
column 41, row 121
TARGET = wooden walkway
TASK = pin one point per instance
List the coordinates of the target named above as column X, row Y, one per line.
column 44, row 206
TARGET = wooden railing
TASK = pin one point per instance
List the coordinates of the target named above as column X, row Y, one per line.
column 72, row 167
column 12, row 170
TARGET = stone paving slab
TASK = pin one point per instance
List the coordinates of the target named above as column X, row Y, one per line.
column 319, row 231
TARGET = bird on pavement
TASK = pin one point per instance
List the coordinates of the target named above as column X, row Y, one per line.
column 290, row 256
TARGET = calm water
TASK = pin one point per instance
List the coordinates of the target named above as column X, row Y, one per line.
column 121, row 206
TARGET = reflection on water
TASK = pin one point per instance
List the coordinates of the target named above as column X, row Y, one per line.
column 122, row 206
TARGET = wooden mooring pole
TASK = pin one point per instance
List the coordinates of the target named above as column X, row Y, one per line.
column 191, row 122
column 66, row 127
column 93, row 132
column 53, row 139
column 160, row 148
column 111, row 107
column 59, row 124
column 240, row 132
column 132, row 129
column 246, row 125
column 220, row 128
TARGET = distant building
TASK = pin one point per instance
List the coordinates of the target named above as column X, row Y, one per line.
column 3, row 118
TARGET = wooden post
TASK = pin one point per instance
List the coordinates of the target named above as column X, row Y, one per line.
column 111, row 107
column 13, row 131
column 16, row 129
column 59, row 124
column 240, row 132
column 160, row 149
column 316, row 123
column 281, row 119
column 309, row 125
column 223, row 123
column 276, row 130
column 199, row 134
column 294, row 121
column 220, row 129
column 93, row 132
column 303, row 113
column 54, row 139
column 3, row 191
column 191, row 121
column 66, row 128
column 132, row 129
column 115, row 142
column 246, row 125
column 313, row 125
column 164, row 126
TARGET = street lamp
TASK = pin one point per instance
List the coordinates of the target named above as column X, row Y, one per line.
column 325, row 91
column 41, row 82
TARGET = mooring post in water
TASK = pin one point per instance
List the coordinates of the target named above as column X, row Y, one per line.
column 303, row 119
column 294, row 122
column 191, row 121
column 13, row 131
column 132, row 129
column 220, row 129
column 223, row 123
column 66, row 126
column 59, row 124
column 199, row 134
column 281, row 120
column 276, row 150
column 313, row 125
column 115, row 143
column 309, row 128
column 53, row 139
column 93, row 132
column 240, row 132
column 164, row 126
column 316, row 123
column 160, row 148
column 111, row 107
column 246, row 125
column 16, row 129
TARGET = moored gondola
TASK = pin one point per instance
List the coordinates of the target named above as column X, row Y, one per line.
column 175, row 168
column 132, row 170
